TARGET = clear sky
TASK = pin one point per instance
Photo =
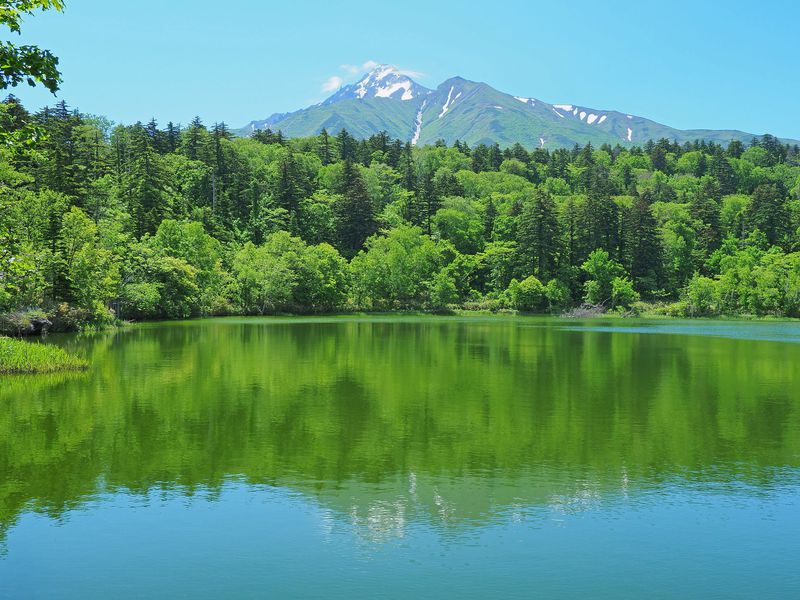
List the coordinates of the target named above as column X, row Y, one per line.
column 688, row 64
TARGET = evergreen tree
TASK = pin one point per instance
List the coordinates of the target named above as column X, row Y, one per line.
column 721, row 170
column 489, row 217
column 600, row 224
column 643, row 247
column 538, row 237
column 705, row 208
column 325, row 153
column 193, row 139
column 769, row 213
column 172, row 137
column 347, row 146
column 355, row 215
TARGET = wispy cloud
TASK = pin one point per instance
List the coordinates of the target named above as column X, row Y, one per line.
column 358, row 69
column 411, row 73
column 334, row 82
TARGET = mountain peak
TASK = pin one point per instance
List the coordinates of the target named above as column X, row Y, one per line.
column 381, row 71
column 383, row 81
column 387, row 99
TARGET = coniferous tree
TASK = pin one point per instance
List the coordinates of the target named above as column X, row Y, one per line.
column 769, row 213
column 705, row 207
column 172, row 137
column 347, row 146
column 428, row 201
column 325, row 152
column 643, row 246
column 489, row 218
column 721, row 170
column 600, row 220
column 538, row 237
column 355, row 215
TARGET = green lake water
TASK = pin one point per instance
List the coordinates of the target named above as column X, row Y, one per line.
column 407, row 457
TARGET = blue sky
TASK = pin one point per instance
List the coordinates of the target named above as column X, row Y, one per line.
column 687, row 64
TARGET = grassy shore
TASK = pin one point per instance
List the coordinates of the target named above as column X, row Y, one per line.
column 17, row 356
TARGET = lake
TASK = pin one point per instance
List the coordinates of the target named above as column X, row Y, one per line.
column 392, row 457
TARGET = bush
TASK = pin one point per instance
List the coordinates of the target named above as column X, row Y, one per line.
column 141, row 300
column 622, row 293
column 702, row 296
column 528, row 295
column 558, row 295
column 443, row 290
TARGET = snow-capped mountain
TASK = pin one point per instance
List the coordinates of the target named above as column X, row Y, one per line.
column 384, row 81
column 386, row 99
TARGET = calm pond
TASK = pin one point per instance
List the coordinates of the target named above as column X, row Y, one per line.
column 407, row 457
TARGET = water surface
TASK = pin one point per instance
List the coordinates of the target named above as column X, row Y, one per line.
column 408, row 457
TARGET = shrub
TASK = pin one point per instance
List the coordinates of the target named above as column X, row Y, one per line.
column 557, row 294
column 702, row 296
column 528, row 295
column 622, row 293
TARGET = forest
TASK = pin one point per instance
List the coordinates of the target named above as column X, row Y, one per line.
column 102, row 222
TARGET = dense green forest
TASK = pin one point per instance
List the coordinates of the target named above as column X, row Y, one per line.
column 101, row 222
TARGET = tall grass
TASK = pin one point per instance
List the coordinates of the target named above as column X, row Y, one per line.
column 17, row 356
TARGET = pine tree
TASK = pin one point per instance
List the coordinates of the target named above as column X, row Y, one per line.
column 325, row 154
column 172, row 137
column 643, row 248
column 705, row 208
column 489, row 217
column 347, row 146
column 735, row 149
column 446, row 184
column 428, row 201
column 193, row 139
column 355, row 215
column 144, row 182
column 721, row 170
column 287, row 193
column 538, row 237
column 769, row 213
column 600, row 220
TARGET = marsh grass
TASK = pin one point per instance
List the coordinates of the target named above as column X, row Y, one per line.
column 17, row 356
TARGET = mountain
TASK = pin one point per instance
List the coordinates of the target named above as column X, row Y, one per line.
column 382, row 82
column 385, row 99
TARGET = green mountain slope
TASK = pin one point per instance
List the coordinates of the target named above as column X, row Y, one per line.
column 475, row 113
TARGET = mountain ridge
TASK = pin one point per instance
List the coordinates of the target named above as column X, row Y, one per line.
column 386, row 99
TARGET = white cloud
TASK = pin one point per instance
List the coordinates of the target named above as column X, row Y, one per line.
column 334, row 82
column 411, row 73
column 359, row 69
column 369, row 65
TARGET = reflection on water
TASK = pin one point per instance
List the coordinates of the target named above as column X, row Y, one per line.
column 399, row 429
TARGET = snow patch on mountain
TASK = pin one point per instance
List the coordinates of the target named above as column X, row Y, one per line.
column 390, row 90
column 450, row 101
column 630, row 134
column 558, row 113
column 564, row 107
column 384, row 81
column 418, row 124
